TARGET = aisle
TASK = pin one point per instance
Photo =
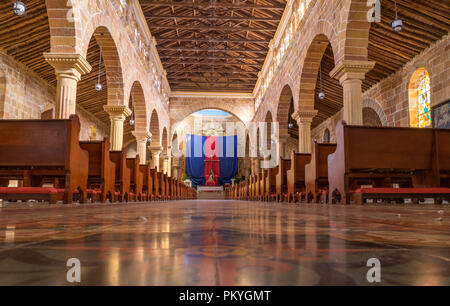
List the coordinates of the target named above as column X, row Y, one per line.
column 224, row 243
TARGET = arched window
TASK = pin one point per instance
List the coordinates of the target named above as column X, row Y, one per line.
column 326, row 136
column 420, row 99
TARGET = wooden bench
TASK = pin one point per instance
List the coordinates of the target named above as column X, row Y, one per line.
column 147, row 185
column 281, row 178
column 39, row 151
column 296, row 176
column 382, row 156
column 316, row 173
column 136, row 178
column 102, row 171
column 270, row 183
column 156, row 182
column 123, row 175
column 161, row 191
column 360, row 196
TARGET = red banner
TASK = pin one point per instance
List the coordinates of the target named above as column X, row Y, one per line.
column 212, row 169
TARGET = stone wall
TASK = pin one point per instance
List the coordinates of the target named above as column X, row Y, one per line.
column 24, row 95
column 181, row 107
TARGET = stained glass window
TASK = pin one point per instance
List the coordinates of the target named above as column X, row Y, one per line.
column 423, row 100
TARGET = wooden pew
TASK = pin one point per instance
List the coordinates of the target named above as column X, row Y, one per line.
column 316, row 172
column 270, row 184
column 166, row 187
column 161, row 191
column 155, row 190
column 262, row 184
column 281, row 178
column 418, row 160
column 123, row 175
column 147, row 186
column 36, row 151
column 171, row 194
column 136, row 178
column 296, row 176
column 102, row 171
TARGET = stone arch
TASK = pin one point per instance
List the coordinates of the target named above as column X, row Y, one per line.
column 112, row 64
column 179, row 111
column 64, row 18
column 138, row 106
column 376, row 108
column 2, row 93
column 284, row 103
column 356, row 28
column 154, row 129
column 413, row 96
column 370, row 117
column 164, row 141
column 310, row 71
column 88, row 97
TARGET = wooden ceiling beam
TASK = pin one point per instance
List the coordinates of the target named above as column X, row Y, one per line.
column 232, row 71
column 172, row 63
column 209, row 50
column 190, row 77
column 241, row 58
column 272, row 28
column 206, row 17
column 218, row 4
column 225, row 40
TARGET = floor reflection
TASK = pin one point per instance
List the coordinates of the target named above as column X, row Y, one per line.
column 224, row 243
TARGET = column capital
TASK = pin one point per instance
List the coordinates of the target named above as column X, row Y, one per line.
column 305, row 115
column 346, row 70
column 117, row 111
column 141, row 135
column 156, row 150
column 70, row 64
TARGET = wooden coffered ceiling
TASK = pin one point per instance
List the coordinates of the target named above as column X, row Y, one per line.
column 27, row 38
column 213, row 45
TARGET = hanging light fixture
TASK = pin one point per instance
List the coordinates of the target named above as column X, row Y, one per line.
column 19, row 8
column 132, row 108
column 397, row 24
column 321, row 94
column 99, row 86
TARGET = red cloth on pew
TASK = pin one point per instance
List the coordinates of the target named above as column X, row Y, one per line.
column 402, row 190
column 91, row 191
column 30, row 190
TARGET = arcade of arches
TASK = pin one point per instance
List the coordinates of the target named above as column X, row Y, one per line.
column 138, row 72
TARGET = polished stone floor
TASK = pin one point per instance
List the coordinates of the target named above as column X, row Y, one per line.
column 224, row 243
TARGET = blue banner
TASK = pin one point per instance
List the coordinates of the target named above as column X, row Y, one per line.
column 195, row 159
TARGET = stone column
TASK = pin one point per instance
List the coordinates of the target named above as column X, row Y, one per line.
column 117, row 114
column 351, row 74
column 156, row 152
column 169, row 161
column 68, row 69
column 304, row 119
column 141, row 140
column 166, row 164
